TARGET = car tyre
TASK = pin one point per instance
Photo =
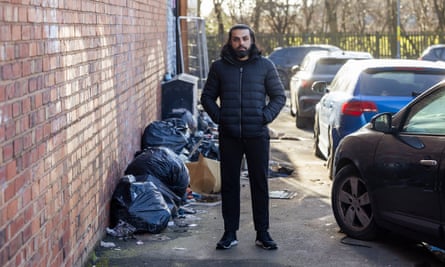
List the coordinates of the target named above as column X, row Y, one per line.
column 317, row 150
column 284, row 80
column 300, row 122
column 292, row 106
column 352, row 206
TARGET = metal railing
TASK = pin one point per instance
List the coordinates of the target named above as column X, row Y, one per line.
column 380, row 45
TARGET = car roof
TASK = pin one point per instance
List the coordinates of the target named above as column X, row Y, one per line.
column 339, row 54
column 392, row 63
column 280, row 50
column 435, row 46
column 326, row 46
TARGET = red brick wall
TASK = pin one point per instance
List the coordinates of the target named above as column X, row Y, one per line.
column 79, row 81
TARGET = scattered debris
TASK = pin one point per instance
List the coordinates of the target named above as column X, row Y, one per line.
column 282, row 194
column 107, row 244
column 122, row 230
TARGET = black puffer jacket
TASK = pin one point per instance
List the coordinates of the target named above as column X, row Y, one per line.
column 250, row 94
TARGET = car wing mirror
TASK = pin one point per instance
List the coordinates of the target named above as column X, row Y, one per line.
column 320, row 87
column 295, row 68
column 382, row 122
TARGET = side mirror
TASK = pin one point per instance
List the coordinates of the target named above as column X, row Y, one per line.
column 382, row 122
column 295, row 69
column 320, row 87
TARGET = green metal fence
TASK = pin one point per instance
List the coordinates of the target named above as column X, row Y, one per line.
column 378, row 44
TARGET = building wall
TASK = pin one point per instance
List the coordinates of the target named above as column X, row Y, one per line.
column 79, row 81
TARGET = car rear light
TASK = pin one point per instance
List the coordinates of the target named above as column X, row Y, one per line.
column 305, row 83
column 356, row 108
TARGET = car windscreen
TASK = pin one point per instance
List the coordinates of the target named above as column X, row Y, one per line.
column 398, row 82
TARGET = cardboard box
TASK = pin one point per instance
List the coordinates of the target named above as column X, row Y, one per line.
column 205, row 175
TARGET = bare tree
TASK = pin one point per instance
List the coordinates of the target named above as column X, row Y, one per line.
column 331, row 14
column 418, row 15
column 217, row 4
column 280, row 15
column 354, row 16
column 240, row 11
column 305, row 22
column 308, row 16
column 439, row 6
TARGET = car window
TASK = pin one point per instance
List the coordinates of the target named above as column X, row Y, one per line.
column 345, row 79
column 328, row 66
column 427, row 116
column 442, row 54
column 437, row 52
column 398, row 83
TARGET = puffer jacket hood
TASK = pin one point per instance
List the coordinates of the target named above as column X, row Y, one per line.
column 250, row 94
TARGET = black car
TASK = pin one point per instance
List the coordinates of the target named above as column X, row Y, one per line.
column 434, row 53
column 285, row 58
column 390, row 174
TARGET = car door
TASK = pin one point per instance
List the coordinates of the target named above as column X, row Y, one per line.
column 408, row 178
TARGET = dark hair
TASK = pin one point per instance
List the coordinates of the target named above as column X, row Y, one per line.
column 241, row 27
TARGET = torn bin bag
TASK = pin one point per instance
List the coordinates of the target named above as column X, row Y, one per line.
column 141, row 205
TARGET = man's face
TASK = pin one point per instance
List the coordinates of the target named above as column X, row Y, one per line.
column 241, row 43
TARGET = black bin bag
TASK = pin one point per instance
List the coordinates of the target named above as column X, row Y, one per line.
column 173, row 201
column 164, row 164
column 140, row 204
column 164, row 133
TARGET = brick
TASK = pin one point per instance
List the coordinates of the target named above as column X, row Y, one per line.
column 23, row 13
column 2, row 93
column 14, row 245
column 9, row 129
column 12, row 209
column 26, row 105
column 16, row 225
column 16, row 109
column 35, row 15
column 18, row 146
column 7, row 151
column 16, row 32
column 9, row 191
column 11, row 170
column 5, row 32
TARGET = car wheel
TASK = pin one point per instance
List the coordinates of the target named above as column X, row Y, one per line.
column 318, row 153
column 292, row 105
column 352, row 206
column 300, row 122
column 283, row 78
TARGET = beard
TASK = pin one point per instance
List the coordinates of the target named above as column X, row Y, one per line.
column 242, row 53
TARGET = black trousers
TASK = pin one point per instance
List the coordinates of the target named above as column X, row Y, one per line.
column 256, row 151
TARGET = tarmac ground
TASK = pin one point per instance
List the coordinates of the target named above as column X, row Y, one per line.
column 302, row 225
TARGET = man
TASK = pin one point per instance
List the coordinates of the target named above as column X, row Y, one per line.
column 250, row 96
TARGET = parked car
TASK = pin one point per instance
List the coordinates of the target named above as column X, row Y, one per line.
column 390, row 173
column 316, row 65
column 287, row 57
column 434, row 53
column 360, row 90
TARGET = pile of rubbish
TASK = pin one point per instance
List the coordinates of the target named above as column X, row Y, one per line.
column 178, row 163
column 156, row 184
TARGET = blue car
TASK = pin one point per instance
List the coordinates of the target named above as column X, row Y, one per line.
column 360, row 90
